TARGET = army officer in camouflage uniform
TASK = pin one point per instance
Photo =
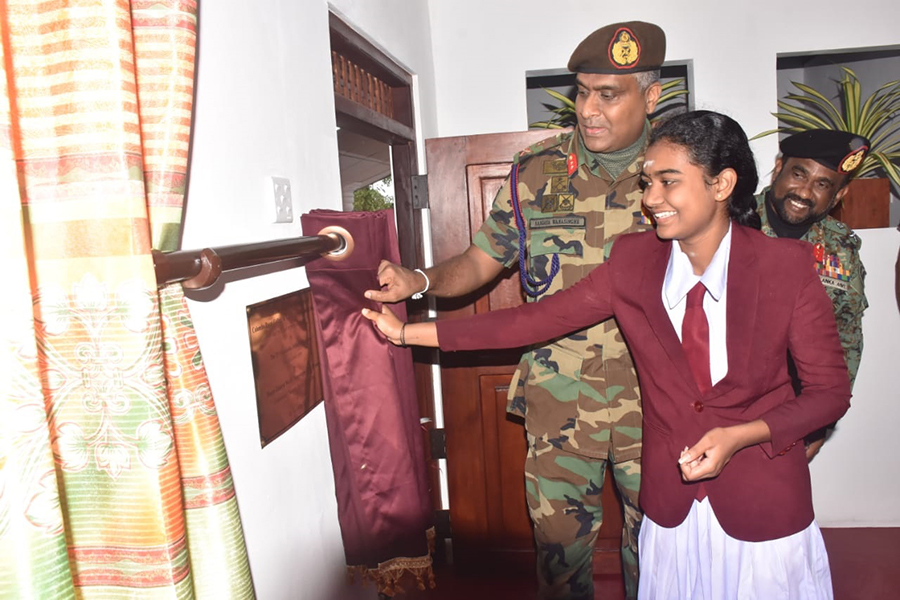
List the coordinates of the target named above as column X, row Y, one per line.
column 809, row 179
column 566, row 200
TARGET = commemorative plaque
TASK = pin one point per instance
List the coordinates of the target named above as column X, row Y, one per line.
column 285, row 357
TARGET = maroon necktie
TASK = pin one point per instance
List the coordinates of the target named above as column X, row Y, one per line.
column 695, row 337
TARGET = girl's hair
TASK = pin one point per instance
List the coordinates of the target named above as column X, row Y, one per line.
column 714, row 143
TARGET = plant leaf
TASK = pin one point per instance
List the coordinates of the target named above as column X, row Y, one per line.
column 802, row 118
column 889, row 167
column 544, row 125
column 669, row 95
column 850, row 92
column 771, row 131
column 826, row 108
column 561, row 97
column 830, row 108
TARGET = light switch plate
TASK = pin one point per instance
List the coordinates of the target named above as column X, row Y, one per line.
column 284, row 207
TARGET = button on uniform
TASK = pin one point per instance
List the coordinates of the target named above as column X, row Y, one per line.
column 697, row 406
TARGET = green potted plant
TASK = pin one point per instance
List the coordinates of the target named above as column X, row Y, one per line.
column 875, row 118
column 564, row 112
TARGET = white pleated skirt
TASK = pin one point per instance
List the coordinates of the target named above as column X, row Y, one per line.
column 697, row 560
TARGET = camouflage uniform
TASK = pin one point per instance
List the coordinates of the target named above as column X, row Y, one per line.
column 579, row 395
column 836, row 248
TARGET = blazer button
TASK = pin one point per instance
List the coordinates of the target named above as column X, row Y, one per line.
column 698, row 406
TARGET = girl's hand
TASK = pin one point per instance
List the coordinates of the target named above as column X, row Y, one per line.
column 386, row 322
column 708, row 457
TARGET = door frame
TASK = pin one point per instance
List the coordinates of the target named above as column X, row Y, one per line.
column 373, row 97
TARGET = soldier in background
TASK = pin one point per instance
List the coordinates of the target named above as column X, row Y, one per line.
column 809, row 179
column 556, row 216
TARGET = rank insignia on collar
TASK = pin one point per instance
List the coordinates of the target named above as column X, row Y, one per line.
column 852, row 160
column 624, row 49
column 572, row 163
column 819, row 253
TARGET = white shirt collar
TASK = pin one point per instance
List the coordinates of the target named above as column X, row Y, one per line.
column 680, row 277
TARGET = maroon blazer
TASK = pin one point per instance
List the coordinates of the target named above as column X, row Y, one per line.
column 776, row 303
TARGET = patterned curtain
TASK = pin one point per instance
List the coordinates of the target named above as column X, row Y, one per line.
column 114, row 480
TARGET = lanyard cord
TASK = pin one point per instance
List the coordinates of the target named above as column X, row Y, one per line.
column 527, row 281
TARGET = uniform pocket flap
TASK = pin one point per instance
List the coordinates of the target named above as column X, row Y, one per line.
column 556, row 240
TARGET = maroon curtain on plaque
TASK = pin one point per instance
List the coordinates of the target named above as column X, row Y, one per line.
column 377, row 450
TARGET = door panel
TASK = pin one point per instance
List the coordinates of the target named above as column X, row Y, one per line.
column 486, row 447
column 504, row 464
column 484, row 181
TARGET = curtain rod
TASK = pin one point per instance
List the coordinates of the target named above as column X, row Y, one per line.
column 199, row 269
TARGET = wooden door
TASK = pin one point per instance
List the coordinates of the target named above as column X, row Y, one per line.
column 486, row 448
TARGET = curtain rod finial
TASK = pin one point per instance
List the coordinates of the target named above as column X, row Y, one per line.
column 346, row 247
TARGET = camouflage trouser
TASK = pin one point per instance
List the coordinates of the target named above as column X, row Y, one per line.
column 563, row 492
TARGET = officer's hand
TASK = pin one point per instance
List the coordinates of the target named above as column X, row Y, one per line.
column 386, row 322
column 813, row 448
column 398, row 283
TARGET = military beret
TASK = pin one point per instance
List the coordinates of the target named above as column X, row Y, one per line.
column 838, row 150
column 620, row 48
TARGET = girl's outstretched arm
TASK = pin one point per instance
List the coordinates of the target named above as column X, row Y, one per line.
column 400, row 333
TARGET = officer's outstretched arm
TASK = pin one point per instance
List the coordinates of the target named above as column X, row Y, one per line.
column 455, row 276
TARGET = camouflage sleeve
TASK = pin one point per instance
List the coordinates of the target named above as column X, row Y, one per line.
column 498, row 235
column 848, row 312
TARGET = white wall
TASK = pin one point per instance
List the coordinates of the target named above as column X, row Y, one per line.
column 483, row 49
column 855, row 476
column 264, row 106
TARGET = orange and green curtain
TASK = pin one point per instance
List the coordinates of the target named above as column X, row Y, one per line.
column 114, row 481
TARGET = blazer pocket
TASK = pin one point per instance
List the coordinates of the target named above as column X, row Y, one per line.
column 648, row 424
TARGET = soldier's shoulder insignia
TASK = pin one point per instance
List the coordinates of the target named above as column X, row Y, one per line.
column 559, row 184
column 841, row 233
column 835, row 225
column 554, row 166
column 550, row 203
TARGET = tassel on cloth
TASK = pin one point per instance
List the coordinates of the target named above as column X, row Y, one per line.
column 393, row 577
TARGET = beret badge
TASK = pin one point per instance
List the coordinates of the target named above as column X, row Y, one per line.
column 851, row 161
column 624, row 49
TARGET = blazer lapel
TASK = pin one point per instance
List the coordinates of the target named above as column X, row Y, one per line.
column 658, row 318
column 742, row 310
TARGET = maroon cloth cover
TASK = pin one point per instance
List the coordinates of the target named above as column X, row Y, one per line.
column 377, row 453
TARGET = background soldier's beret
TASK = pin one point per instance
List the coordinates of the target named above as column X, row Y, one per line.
column 838, row 150
column 620, row 48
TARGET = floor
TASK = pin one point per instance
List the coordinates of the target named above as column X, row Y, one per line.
column 865, row 564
